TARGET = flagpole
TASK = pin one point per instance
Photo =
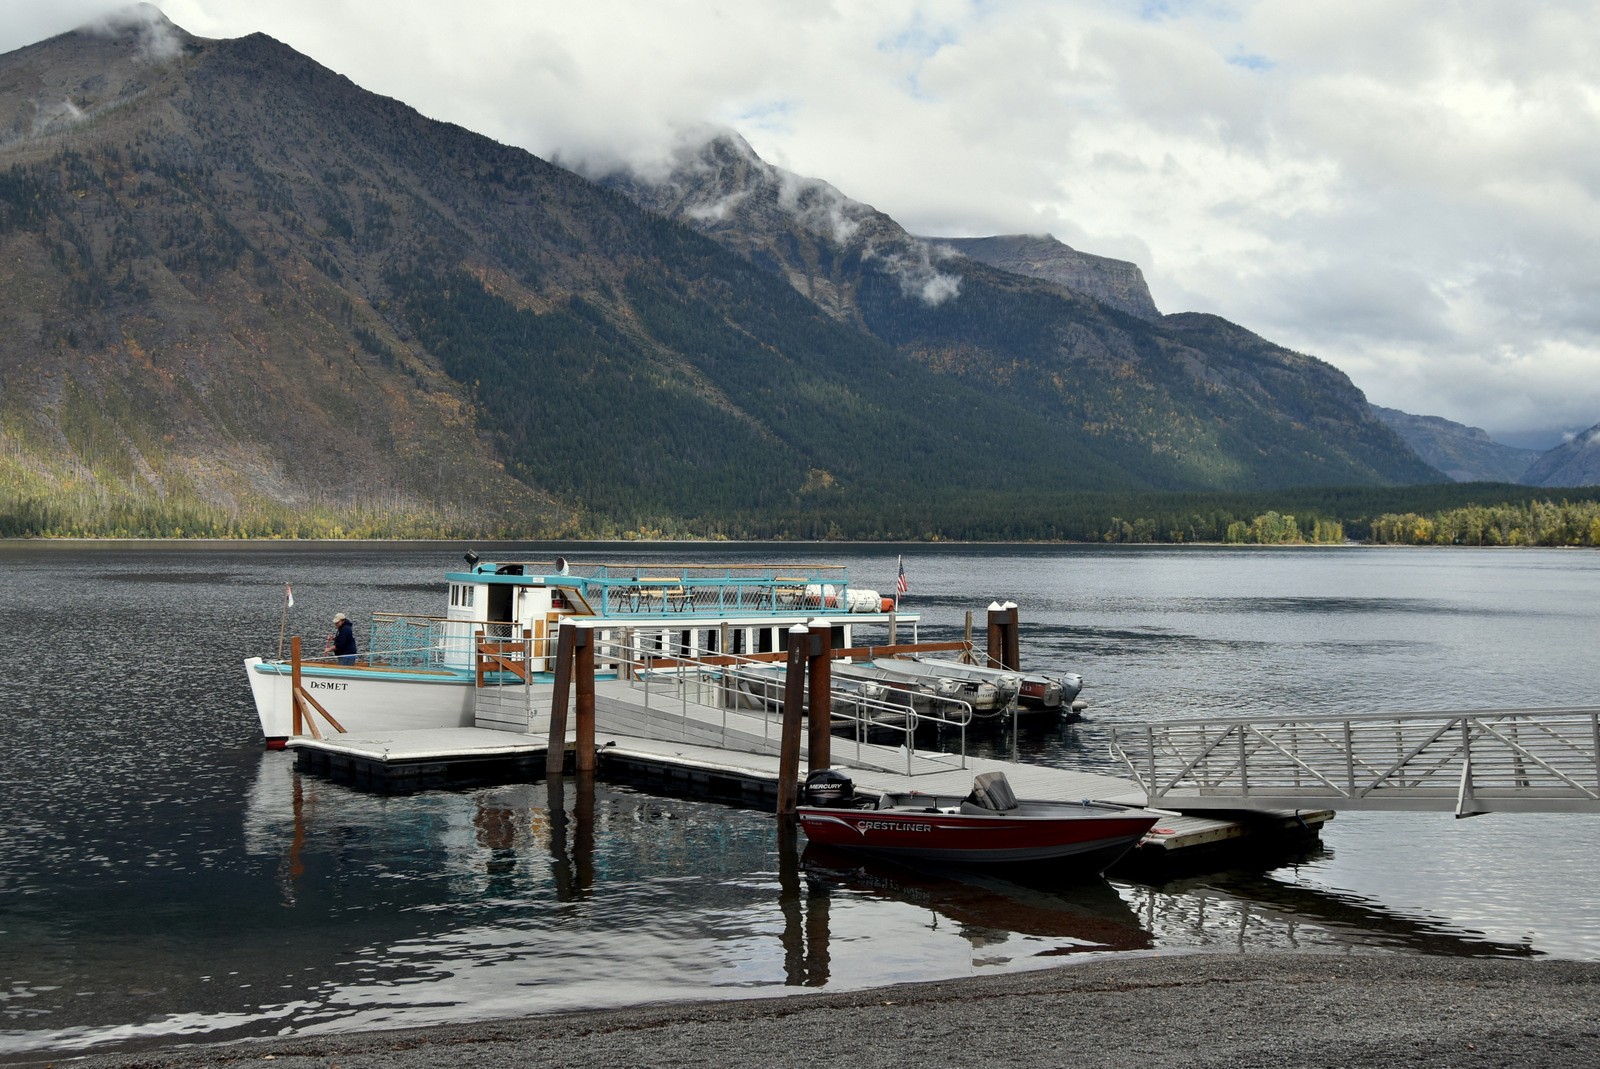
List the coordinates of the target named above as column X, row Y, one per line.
column 284, row 622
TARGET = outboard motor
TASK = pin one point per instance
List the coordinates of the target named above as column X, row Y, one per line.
column 830, row 788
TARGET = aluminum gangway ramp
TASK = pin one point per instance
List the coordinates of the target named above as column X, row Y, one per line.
column 1462, row 761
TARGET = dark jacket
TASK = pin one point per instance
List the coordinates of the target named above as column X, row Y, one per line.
column 344, row 640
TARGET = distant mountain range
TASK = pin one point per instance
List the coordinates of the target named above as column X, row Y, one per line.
column 1468, row 454
column 1465, row 454
column 232, row 277
column 1573, row 463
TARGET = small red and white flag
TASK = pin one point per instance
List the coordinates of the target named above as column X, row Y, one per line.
column 900, row 583
column 288, row 596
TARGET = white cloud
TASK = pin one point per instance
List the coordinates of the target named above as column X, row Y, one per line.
column 1405, row 188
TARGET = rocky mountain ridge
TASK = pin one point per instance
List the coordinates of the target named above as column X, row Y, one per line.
column 1117, row 283
column 1185, row 400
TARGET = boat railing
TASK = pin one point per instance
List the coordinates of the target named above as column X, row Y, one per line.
column 610, row 590
column 836, row 574
column 400, row 640
column 754, row 686
column 688, row 594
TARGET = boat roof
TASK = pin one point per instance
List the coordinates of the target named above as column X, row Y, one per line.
column 675, row 593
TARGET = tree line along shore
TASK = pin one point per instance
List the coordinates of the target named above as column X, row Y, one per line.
column 1450, row 514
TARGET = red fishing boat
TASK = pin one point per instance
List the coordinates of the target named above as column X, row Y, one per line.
column 989, row 826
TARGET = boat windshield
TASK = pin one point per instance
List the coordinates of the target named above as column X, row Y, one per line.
column 992, row 790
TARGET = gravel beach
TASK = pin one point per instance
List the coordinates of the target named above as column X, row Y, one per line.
column 1269, row 1010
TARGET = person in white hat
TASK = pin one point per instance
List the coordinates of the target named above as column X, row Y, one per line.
column 344, row 639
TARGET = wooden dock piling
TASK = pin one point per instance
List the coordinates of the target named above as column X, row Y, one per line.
column 997, row 635
column 583, row 668
column 294, row 685
column 1013, row 657
column 794, row 696
column 556, row 755
column 1005, row 647
column 820, row 649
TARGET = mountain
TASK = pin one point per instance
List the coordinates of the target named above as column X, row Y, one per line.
column 1466, row 454
column 233, row 281
column 1181, row 402
column 1117, row 283
column 191, row 268
column 233, row 276
column 1573, row 463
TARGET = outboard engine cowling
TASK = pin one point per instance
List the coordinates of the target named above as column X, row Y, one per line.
column 830, row 788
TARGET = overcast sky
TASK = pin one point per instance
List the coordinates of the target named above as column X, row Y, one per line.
column 1405, row 189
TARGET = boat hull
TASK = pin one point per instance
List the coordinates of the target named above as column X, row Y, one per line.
column 1090, row 839
column 361, row 699
column 1039, row 694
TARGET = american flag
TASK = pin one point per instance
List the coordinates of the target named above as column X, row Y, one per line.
column 900, row 583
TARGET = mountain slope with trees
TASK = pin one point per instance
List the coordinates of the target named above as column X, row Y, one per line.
column 235, row 283
column 1181, row 401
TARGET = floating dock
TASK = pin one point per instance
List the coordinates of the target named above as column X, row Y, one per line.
column 686, row 740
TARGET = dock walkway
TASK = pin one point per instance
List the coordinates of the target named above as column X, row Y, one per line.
column 1469, row 761
column 690, row 746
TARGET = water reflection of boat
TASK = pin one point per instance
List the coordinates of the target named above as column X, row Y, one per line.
column 1089, row 914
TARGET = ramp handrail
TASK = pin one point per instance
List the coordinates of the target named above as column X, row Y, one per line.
column 758, row 683
column 1476, row 761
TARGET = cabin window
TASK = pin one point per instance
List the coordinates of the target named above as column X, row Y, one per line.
column 738, row 638
column 763, row 640
column 455, row 595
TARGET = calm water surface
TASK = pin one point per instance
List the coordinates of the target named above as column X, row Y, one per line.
column 163, row 878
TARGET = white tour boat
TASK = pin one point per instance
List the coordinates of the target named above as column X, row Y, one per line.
column 501, row 624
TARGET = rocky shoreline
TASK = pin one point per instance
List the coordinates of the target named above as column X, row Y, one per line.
column 1199, row 1010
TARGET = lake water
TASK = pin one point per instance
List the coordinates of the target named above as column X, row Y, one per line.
column 163, row 879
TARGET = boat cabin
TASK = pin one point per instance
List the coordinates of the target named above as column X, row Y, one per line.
column 675, row 611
